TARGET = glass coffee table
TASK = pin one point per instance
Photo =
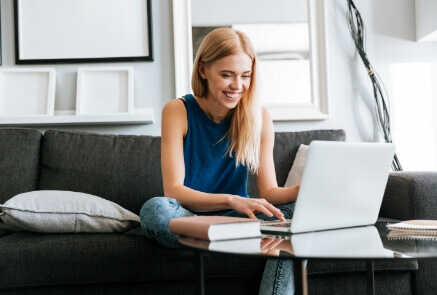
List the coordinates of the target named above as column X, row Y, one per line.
column 367, row 243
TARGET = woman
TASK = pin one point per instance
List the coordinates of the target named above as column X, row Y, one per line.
column 210, row 141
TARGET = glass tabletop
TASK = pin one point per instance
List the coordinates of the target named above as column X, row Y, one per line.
column 366, row 242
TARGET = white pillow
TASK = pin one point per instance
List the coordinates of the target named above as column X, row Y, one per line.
column 66, row 212
column 295, row 174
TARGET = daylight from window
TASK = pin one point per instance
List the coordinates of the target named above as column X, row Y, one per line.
column 283, row 59
column 285, row 81
column 414, row 123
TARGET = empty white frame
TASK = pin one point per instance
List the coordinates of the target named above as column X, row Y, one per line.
column 27, row 92
column 62, row 31
column 105, row 91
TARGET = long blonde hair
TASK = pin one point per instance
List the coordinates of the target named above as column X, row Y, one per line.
column 246, row 121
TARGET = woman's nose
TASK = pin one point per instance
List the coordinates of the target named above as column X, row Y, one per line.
column 236, row 83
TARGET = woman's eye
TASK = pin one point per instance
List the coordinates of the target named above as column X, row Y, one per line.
column 246, row 76
column 226, row 76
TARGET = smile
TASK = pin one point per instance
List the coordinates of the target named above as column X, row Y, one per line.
column 232, row 95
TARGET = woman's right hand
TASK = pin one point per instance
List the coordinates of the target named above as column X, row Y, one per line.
column 250, row 207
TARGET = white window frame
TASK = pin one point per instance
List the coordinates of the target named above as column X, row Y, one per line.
column 317, row 109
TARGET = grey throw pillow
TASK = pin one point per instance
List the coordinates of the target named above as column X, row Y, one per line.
column 296, row 171
column 66, row 212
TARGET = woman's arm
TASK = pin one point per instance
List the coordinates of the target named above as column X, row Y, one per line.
column 173, row 129
column 266, row 177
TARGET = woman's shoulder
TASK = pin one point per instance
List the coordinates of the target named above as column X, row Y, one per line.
column 174, row 108
column 174, row 105
column 174, row 114
column 265, row 115
column 267, row 122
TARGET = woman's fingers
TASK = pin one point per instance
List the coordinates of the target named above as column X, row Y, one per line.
column 275, row 243
column 278, row 214
column 250, row 207
column 269, row 244
column 251, row 215
column 265, row 243
column 272, row 210
column 269, row 210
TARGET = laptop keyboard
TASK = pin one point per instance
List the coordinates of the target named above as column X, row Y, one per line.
column 278, row 223
column 282, row 224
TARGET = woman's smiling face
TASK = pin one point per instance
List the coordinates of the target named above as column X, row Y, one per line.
column 228, row 79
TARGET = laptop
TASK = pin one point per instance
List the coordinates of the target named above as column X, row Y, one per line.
column 342, row 186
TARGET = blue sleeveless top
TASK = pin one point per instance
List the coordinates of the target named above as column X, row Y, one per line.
column 208, row 167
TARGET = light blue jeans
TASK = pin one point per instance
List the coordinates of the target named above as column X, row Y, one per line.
column 157, row 212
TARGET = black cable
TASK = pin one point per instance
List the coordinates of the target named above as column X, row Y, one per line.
column 358, row 33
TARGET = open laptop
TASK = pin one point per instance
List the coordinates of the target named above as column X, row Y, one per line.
column 343, row 184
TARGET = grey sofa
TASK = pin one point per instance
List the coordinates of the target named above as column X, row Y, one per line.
column 126, row 170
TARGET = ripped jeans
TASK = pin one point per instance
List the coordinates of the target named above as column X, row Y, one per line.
column 157, row 212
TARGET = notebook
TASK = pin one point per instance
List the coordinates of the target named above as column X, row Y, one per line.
column 342, row 186
column 413, row 229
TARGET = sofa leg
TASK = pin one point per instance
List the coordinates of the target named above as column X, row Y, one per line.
column 199, row 273
column 300, row 276
column 370, row 269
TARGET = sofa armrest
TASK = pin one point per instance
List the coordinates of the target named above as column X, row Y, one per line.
column 410, row 195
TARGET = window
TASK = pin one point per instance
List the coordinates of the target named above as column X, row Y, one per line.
column 283, row 54
column 414, row 115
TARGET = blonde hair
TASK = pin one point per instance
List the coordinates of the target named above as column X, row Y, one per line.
column 246, row 121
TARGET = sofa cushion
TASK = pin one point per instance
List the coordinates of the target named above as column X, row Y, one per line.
column 410, row 195
column 296, row 171
column 30, row 259
column 66, row 212
column 285, row 149
column 322, row 267
column 19, row 161
column 120, row 168
column 6, row 229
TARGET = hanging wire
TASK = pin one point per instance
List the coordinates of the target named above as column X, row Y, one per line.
column 358, row 33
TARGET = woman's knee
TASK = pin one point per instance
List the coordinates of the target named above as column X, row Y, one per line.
column 155, row 216
column 157, row 204
column 156, row 209
column 157, row 212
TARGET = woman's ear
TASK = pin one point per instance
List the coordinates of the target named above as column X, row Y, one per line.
column 202, row 70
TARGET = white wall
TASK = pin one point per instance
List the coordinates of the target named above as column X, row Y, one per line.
column 426, row 24
column 153, row 85
column 407, row 68
column 390, row 41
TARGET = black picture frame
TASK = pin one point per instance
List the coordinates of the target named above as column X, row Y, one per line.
column 92, row 43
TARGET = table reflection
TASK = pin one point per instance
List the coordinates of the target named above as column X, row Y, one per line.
column 357, row 242
column 414, row 245
column 367, row 242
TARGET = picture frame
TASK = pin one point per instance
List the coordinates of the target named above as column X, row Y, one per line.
column 81, row 31
column 27, row 92
column 105, row 91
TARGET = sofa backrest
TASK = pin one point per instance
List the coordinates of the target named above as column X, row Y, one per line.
column 120, row 168
column 19, row 161
column 285, row 149
column 126, row 169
